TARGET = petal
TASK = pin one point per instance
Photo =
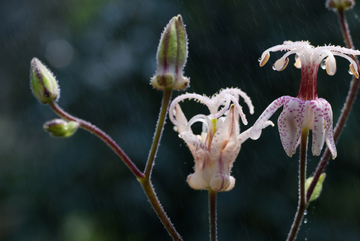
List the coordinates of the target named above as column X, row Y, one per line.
column 225, row 147
column 193, row 140
column 220, row 182
column 268, row 112
column 196, row 180
column 181, row 120
column 290, row 124
column 328, row 124
column 232, row 184
column 246, row 134
column 227, row 133
column 318, row 131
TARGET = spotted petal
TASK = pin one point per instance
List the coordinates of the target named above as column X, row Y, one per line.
column 318, row 131
column 265, row 116
column 328, row 124
column 290, row 124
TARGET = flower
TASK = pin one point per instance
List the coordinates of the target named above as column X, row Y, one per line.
column 216, row 149
column 306, row 110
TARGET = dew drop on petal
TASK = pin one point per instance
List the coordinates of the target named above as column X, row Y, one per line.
column 350, row 72
column 323, row 64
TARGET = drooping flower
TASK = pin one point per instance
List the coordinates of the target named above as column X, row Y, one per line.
column 216, row 149
column 306, row 110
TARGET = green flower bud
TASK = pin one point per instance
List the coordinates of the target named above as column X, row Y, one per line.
column 340, row 4
column 171, row 57
column 61, row 128
column 318, row 186
column 43, row 82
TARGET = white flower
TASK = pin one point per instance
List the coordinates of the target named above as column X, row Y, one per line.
column 307, row 110
column 216, row 149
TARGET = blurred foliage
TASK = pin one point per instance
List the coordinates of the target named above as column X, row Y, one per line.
column 103, row 54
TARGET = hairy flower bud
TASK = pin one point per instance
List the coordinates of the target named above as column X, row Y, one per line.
column 171, row 57
column 43, row 82
column 61, row 128
column 340, row 4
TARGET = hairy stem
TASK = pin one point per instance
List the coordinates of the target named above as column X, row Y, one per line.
column 102, row 135
column 150, row 193
column 212, row 214
column 302, row 178
column 354, row 87
column 158, row 132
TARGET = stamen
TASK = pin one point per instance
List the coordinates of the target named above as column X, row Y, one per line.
column 330, row 65
column 297, row 63
column 353, row 70
column 264, row 58
column 280, row 64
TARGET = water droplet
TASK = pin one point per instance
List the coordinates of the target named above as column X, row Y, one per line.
column 323, row 64
column 305, row 220
column 350, row 72
column 305, row 212
column 259, row 59
column 273, row 67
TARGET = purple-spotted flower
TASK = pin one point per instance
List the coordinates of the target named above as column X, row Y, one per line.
column 218, row 145
column 306, row 110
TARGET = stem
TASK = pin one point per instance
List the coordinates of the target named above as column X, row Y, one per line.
column 302, row 178
column 354, row 87
column 158, row 132
column 212, row 214
column 99, row 133
column 154, row 201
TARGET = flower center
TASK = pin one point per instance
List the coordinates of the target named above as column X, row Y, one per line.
column 308, row 85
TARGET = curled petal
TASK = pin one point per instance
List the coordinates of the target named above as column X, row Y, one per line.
column 201, row 98
column 290, row 124
column 265, row 116
column 328, row 124
column 318, row 131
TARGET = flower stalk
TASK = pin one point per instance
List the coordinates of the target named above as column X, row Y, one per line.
column 212, row 214
column 158, row 131
column 302, row 178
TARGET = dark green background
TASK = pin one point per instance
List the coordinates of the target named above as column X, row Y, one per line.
column 76, row 189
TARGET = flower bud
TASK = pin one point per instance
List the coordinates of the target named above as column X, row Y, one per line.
column 340, row 4
column 318, row 187
column 43, row 82
column 61, row 128
column 171, row 57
